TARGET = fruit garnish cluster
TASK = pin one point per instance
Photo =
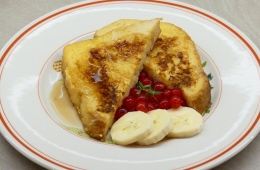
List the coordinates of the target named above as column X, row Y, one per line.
column 148, row 95
column 152, row 112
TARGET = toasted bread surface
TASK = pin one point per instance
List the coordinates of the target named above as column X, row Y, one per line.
column 99, row 73
column 115, row 25
column 175, row 61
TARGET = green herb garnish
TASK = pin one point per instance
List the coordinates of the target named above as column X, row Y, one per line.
column 204, row 64
column 147, row 88
column 207, row 111
column 210, row 76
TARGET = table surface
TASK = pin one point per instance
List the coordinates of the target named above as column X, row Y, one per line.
column 244, row 14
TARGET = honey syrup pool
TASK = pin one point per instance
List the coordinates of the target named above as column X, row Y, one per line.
column 61, row 103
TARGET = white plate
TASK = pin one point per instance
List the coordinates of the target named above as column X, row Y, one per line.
column 31, row 125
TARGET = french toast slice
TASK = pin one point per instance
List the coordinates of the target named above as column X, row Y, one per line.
column 174, row 61
column 99, row 73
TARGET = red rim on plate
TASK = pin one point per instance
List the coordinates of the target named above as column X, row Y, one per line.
column 34, row 151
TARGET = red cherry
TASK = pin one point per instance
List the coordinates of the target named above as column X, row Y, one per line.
column 175, row 102
column 130, row 109
column 155, row 98
column 133, row 92
column 176, row 92
column 142, row 106
column 184, row 103
column 143, row 92
column 121, row 111
column 164, row 104
column 129, row 102
column 146, row 80
column 141, row 97
column 151, row 99
column 159, row 86
column 158, row 97
column 151, row 106
column 142, row 74
column 152, row 85
column 167, row 93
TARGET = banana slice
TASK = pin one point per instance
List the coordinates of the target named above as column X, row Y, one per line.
column 187, row 122
column 163, row 124
column 132, row 127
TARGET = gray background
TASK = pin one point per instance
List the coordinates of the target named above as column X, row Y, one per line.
column 244, row 14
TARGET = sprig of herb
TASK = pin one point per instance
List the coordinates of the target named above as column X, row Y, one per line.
column 147, row 88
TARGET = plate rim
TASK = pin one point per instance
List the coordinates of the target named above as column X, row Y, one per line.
column 22, row 32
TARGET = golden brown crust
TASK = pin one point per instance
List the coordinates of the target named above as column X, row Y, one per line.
column 202, row 101
column 175, row 61
column 99, row 73
column 99, row 64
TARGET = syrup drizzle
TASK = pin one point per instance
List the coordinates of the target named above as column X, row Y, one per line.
column 61, row 103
